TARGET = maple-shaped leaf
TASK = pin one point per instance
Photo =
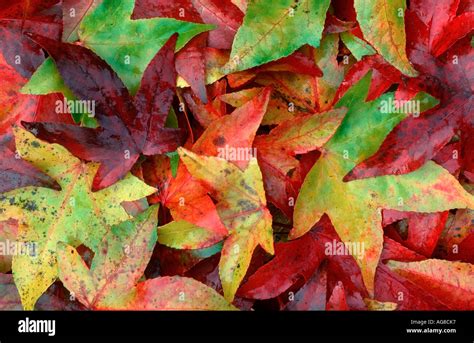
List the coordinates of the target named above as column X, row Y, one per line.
column 355, row 207
column 130, row 125
column 448, row 78
column 112, row 281
column 136, row 42
column 450, row 282
column 382, row 22
column 242, row 207
column 197, row 224
column 273, row 30
column 48, row 216
column 276, row 151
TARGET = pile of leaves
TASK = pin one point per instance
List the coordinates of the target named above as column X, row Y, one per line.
column 237, row 154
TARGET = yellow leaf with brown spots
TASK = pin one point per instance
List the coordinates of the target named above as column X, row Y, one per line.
column 74, row 214
column 242, row 206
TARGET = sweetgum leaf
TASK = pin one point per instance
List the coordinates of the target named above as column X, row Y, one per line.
column 355, row 207
column 277, row 150
column 112, row 282
column 48, row 216
column 273, row 30
column 242, row 207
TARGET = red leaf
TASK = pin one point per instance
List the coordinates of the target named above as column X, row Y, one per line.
column 225, row 15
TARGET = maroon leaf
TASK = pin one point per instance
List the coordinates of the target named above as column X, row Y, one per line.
column 126, row 130
column 43, row 17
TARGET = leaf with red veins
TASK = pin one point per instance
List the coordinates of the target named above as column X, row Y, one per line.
column 450, row 282
column 276, row 151
column 124, row 133
column 225, row 15
column 28, row 16
column 337, row 300
column 458, row 28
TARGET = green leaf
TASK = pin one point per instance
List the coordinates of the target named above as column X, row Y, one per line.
column 355, row 207
column 174, row 162
column 74, row 214
column 128, row 45
column 357, row 46
column 275, row 29
column 382, row 23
